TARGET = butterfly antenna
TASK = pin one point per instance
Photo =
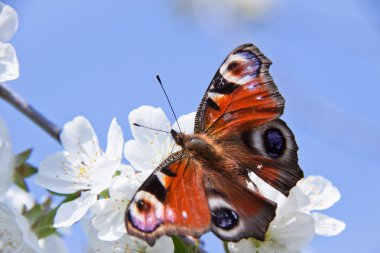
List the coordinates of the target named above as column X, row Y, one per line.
column 159, row 130
column 167, row 98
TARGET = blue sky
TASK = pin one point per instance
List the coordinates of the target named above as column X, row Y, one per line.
column 99, row 59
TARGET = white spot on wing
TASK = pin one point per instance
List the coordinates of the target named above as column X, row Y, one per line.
column 250, row 87
column 215, row 96
column 161, row 177
column 184, row 214
column 250, row 66
column 227, row 116
column 170, row 214
column 146, row 196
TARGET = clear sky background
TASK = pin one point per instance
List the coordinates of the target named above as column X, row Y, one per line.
column 98, row 59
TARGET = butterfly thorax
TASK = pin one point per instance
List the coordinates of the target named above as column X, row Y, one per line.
column 197, row 145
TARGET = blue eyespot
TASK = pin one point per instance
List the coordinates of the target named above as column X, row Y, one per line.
column 274, row 142
column 224, row 218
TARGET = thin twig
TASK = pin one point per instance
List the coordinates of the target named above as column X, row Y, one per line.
column 21, row 105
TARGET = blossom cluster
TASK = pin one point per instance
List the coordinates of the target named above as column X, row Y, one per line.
column 105, row 186
column 98, row 184
column 16, row 235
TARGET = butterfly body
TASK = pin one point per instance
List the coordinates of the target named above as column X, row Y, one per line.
column 204, row 186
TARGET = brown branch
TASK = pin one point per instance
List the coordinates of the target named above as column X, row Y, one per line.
column 21, row 105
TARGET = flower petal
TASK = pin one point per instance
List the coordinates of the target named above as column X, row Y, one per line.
column 16, row 235
column 6, row 159
column 163, row 244
column 149, row 116
column 102, row 173
column 17, row 199
column 79, row 139
column 125, row 244
column 8, row 22
column 243, row 246
column 109, row 219
column 57, row 174
column 70, row 212
column 52, row 244
column 107, row 165
column 149, row 148
column 293, row 230
column 321, row 192
column 115, row 141
column 327, row 226
column 186, row 122
column 142, row 156
column 28, row 235
column 9, row 67
column 124, row 188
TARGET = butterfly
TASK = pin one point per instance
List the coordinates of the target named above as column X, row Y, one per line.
column 203, row 186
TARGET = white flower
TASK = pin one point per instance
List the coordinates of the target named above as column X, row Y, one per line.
column 291, row 229
column 294, row 226
column 52, row 243
column 126, row 244
column 149, row 148
column 83, row 166
column 109, row 213
column 16, row 199
column 15, row 233
column 6, row 159
column 9, row 68
column 322, row 195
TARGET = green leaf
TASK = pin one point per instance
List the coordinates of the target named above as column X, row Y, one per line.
column 37, row 210
column 43, row 226
column 33, row 213
column 22, row 157
column 23, row 169
column 105, row 194
column 20, row 182
column 182, row 247
column 41, row 216
column 21, row 172
column 71, row 197
column 26, row 170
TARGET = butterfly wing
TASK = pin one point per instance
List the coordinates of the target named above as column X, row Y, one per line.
column 241, row 94
column 182, row 197
column 270, row 150
column 240, row 109
column 236, row 211
column 171, row 201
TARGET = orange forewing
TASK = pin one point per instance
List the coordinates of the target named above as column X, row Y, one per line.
column 186, row 197
column 244, row 107
column 242, row 92
column 185, row 208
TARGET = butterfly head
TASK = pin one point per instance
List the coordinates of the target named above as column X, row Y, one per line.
column 195, row 144
column 179, row 138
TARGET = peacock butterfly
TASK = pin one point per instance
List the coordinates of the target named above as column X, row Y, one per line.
column 203, row 186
